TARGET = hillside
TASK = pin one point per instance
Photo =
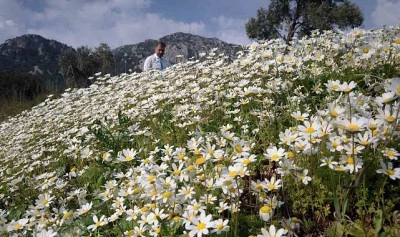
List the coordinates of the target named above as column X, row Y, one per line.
column 284, row 141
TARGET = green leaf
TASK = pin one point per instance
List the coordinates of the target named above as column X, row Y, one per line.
column 378, row 221
column 336, row 230
column 356, row 231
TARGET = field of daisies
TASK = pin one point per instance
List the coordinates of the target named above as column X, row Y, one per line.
column 286, row 140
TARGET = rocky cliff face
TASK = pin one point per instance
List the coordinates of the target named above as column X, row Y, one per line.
column 38, row 55
column 32, row 53
column 180, row 48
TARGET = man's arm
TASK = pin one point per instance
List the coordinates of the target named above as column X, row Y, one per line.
column 147, row 64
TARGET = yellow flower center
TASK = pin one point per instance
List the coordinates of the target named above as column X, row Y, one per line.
column 166, row 194
column 177, row 172
column 227, row 182
column 373, row 126
column 233, row 173
column 365, row 50
column 44, row 201
column 18, row 226
column 390, row 153
column 238, row 149
column 390, row 118
column 339, row 168
column 334, row 113
column 310, row 130
column 350, row 161
column 153, row 192
column 300, row 146
column 299, row 117
column 275, row 156
column 245, row 161
column 181, row 156
column 387, row 100
column 265, row 209
column 353, row 127
column 271, row 186
column 144, row 209
column 67, row 215
column 290, row 155
column 389, row 172
column 397, row 41
column 151, row 178
column 200, row 160
column 259, row 186
column 201, row 226
column 128, row 158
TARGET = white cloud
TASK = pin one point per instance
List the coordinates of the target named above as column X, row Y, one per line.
column 11, row 14
column 82, row 22
column 231, row 30
column 386, row 13
column 152, row 26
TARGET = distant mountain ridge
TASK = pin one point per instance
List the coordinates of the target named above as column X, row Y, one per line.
column 180, row 48
column 32, row 53
column 38, row 55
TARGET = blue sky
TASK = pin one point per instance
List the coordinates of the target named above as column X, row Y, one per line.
column 120, row 22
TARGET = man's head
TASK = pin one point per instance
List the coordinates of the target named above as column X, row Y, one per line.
column 160, row 48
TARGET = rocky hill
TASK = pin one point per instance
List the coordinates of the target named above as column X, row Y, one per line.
column 180, row 48
column 32, row 53
column 38, row 55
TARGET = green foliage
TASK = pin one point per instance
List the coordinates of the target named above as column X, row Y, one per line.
column 286, row 18
column 77, row 66
column 105, row 56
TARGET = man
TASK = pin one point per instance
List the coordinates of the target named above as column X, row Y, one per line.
column 156, row 61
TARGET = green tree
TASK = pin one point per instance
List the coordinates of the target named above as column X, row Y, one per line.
column 88, row 63
column 68, row 62
column 105, row 57
column 77, row 66
column 286, row 18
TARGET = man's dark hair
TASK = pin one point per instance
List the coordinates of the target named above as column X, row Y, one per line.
column 161, row 43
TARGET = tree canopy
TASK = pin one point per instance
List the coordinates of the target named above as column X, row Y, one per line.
column 286, row 18
column 77, row 66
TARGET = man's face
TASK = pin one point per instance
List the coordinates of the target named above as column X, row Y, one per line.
column 159, row 50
